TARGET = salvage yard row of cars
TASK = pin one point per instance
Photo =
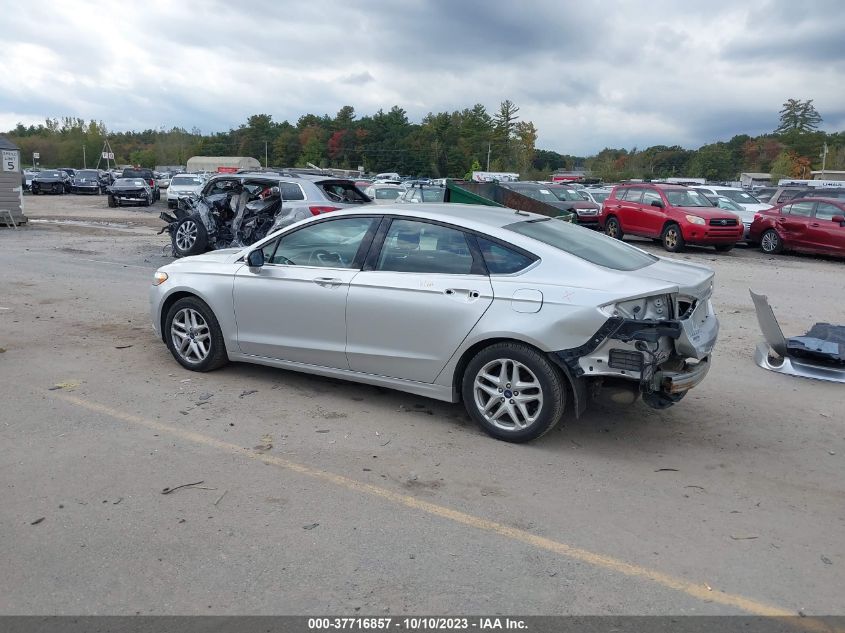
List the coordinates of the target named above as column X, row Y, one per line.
column 458, row 302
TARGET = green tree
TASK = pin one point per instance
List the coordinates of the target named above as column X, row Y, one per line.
column 798, row 116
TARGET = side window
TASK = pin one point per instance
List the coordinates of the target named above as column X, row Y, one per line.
column 268, row 249
column 416, row 196
column 802, row 209
column 619, row 194
column 501, row 260
column 650, row 195
column 329, row 244
column 634, row 194
column 419, row 247
column 291, row 191
column 826, row 211
column 786, row 195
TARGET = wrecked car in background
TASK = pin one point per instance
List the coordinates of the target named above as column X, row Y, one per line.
column 50, row 181
column 518, row 315
column 91, row 181
column 235, row 210
column 133, row 191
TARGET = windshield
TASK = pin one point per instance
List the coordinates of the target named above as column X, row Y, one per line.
column 687, row 198
column 185, row 180
column 87, row 173
column 433, row 195
column 588, row 245
column 737, row 196
column 599, row 196
column 727, row 203
column 562, row 193
column 387, row 194
column 129, row 182
column 50, row 174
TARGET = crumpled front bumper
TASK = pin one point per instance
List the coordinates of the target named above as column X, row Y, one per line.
column 678, row 382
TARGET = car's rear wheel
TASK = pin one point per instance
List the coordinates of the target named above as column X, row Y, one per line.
column 194, row 336
column 190, row 237
column 672, row 238
column 513, row 392
column 612, row 228
column 770, row 242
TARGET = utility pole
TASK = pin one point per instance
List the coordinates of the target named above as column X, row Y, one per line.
column 266, row 164
column 84, row 161
column 824, row 160
column 488, row 156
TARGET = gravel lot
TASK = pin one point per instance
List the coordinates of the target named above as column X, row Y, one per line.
column 322, row 496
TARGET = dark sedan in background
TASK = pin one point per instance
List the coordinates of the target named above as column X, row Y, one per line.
column 90, row 181
column 49, row 181
column 130, row 191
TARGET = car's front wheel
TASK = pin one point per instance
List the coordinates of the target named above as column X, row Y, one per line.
column 112, row 201
column 194, row 336
column 190, row 237
column 612, row 228
column 770, row 242
column 513, row 392
column 672, row 238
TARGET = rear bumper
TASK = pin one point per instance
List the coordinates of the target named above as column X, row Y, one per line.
column 677, row 382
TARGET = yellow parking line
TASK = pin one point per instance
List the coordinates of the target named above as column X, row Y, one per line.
column 696, row 590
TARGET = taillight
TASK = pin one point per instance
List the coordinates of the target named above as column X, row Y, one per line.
column 317, row 210
column 152, row 182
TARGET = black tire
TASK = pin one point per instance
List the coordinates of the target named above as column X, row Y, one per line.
column 208, row 327
column 147, row 202
column 171, row 204
column 612, row 228
column 770, row 242
column 532, row 365
column 672, row 238
column 189, row 237
column 724, row 248
column 112, row 201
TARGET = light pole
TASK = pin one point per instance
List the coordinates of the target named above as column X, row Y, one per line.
column 84, row 160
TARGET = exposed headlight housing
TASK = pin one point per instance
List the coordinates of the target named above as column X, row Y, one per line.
column 159, row 278
column 694, row 219
column 656, row 308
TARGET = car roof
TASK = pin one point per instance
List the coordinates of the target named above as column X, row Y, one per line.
column 470, row 216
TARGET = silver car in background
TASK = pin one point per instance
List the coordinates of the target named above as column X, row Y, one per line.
column 517, row 315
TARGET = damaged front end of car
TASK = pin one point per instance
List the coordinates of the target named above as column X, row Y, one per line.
column 656, row 347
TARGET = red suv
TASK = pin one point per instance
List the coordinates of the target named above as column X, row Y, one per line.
column 810, row 225
column 674, row 214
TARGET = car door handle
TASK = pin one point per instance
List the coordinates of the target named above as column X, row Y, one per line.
column 328, row 282
column 470, row 294
column 815, row 224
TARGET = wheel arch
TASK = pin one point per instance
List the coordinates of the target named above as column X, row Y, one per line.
column 575, row 387
column 168, row 303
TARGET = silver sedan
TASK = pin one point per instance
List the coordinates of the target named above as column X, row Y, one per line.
column 517, row 315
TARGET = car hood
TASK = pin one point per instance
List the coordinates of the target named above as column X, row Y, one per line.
column 754, row 206
column 708, row 212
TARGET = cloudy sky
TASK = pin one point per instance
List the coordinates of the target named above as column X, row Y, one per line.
column 590, row 75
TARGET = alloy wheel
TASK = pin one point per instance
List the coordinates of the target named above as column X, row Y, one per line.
column 186, row 235
column 508, row 394
column 769, row 242
column 191, row 335
column 672, row 238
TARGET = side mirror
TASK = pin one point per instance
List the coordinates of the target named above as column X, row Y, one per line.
column 255, row 259
column 839, row 219
column 657, row 203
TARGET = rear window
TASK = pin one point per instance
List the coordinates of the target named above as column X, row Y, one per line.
column 588, row 245
column 186, row 180
column 291, row 191
column 345, row 192
column 387, row 194
column 138, row 173
column 501, row 260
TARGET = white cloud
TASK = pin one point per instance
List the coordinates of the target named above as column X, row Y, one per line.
column 627, row 74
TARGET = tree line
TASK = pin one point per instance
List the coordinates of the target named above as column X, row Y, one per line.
column 444, row 144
